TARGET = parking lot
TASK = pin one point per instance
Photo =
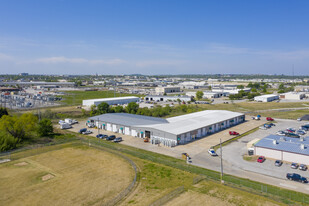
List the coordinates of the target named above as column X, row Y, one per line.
column 233, row 153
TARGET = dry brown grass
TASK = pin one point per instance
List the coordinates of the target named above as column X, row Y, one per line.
column 81, row 176
column 209, row 193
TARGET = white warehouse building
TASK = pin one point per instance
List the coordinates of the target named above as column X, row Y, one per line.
column 171, row 131
column 110, row 101
column 266, row 98
column 284, row 148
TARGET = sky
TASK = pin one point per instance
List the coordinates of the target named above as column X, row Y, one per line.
column 154, row 37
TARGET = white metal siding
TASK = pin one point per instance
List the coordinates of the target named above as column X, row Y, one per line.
column 298, row 158
column 109, row 127
column 127, row 130
column 133, row 133
column 114, row 128
column 268, row 153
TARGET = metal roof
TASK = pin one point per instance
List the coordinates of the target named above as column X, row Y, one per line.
column 112, row 99
column 128, row 119
column 287, row 144
column 189, row 122
column 174, row 125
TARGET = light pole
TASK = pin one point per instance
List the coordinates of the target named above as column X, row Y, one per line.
column 98, row 126
column 221, row 175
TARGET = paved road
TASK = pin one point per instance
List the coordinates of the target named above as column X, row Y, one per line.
column 232, row 154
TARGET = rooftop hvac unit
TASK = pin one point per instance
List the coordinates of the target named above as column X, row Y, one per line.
column 275, row 141
column 301, row 139
column 302, row 146
column 282, row 139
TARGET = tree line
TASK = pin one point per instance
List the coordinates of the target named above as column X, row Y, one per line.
column 15, row 129
column 133, row 108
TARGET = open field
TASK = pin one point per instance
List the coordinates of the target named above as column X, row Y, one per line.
column 77, row 97
column 293, row 114
column 69, row 176
column 209, row 193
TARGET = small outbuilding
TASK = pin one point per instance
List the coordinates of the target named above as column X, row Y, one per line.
column 266, row 98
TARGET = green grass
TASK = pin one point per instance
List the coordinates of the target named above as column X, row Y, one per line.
column 295, row 114
column 76, row 97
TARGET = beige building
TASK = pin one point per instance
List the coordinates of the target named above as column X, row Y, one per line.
column 166, row 90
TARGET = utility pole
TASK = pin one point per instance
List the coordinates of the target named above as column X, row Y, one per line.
column 221, row 175
column 98, row 126
column 293, row 72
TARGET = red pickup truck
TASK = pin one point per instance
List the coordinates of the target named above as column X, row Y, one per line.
column 269, row 119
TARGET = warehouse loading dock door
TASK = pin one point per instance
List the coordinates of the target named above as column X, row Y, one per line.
column 147, row 134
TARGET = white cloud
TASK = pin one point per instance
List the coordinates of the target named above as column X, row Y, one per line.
column 5, row 57
column 149, row 63
column 56, row 60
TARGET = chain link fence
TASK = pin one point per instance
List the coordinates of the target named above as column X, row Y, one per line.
column 168, row 197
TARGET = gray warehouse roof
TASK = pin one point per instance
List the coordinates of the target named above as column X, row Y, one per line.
column 129, row 119
column 189, row 122
column 287, row 144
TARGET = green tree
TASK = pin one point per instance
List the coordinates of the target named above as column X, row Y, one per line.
column 118, row 109
column 240, row 86
column 45, row 127
column 132, row 108
column 281, row 87
column 103, row 108
column 19, row 127
column 199, row 95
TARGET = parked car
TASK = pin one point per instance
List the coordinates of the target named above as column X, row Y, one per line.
column 233, row 133
column 278, row 163
column 91, row 125
column 300, row 132
column 296, row 177
column 87, row 132
column 101, row 136
column 269, row 119
column 302, row 167
column 271, row 124
column 262, row 127
column 118, row 139
column 289, row 134
column 305, row 127
column 291, row 129
column 294, row 165
column 267, row 126
column 261, row 159
column 82, row 130
column 281, row 133
column 212, row 152
column 112, row 137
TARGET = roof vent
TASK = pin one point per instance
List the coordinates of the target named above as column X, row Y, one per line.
column 302, row 146
column 282, row 139
column 275, row 141
column 301, row 139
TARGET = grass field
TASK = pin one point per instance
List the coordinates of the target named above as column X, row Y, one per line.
column 77, row 97
column 69, row 176
column 209, row 193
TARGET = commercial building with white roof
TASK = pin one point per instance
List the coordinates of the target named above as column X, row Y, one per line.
column 171, row 131
column 110, row 101
column 266, row 98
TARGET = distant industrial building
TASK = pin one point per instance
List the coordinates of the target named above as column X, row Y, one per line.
column 171, row 131
column 165, row 98
column 166, row 90
column 293, row 95
column 110, row 101
column 208, row 95
column 266, row 98
column 30, row 84
column 284, row 148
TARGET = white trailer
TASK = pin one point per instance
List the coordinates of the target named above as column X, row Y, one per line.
column 65, row 126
